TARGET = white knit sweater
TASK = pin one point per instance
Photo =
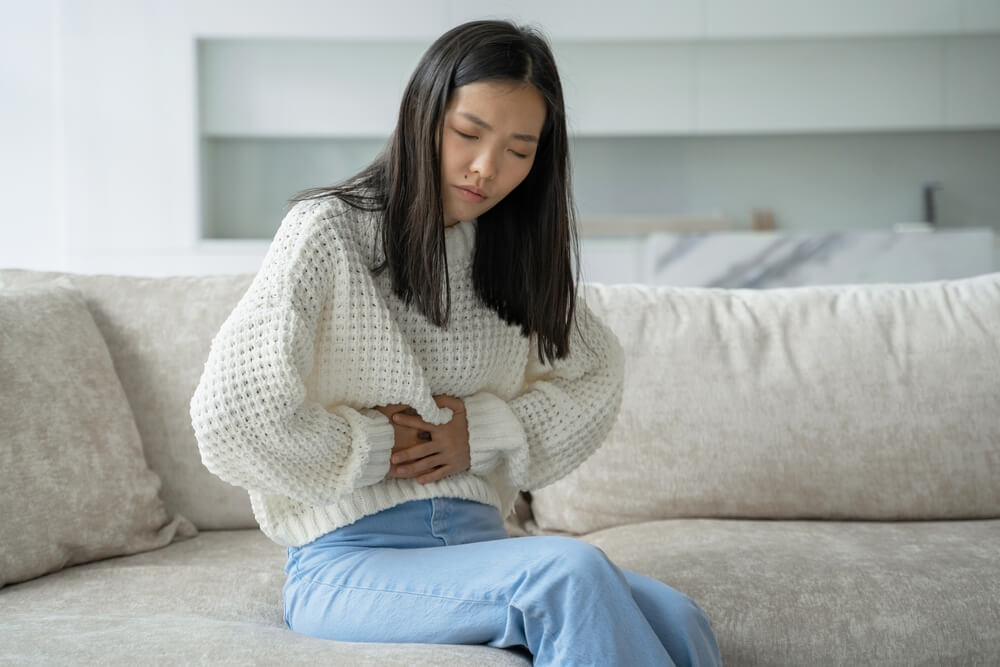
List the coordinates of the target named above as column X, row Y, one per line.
column 284, row 406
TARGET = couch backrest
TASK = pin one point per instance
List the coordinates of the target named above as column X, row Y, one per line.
column 853, row 402
column 846, row 402
column 159, row 331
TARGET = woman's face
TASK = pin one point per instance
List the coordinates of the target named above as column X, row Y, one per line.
column 489, row 136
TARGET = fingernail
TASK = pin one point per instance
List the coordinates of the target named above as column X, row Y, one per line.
column 394, row 459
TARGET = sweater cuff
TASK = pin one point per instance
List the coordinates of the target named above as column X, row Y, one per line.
column 493, row 430
column 381, row 437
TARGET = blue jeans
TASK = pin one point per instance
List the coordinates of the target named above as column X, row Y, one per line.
column 444, row 571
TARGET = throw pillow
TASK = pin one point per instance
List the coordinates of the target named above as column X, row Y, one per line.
column 74, row 485
column 159, row 367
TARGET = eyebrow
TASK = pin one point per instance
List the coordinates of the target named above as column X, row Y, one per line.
column 482, row 123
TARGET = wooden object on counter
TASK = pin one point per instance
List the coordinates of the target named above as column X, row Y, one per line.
column 763, row 220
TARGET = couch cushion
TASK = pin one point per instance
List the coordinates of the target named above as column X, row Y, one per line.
column 830, row 593
column 215, row 599
column 74, row 486
column 868, row 402
column 158, row 331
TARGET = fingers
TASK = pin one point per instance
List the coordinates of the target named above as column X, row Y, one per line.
column 412, row 421
column 414, row 453
column 457, row 405
column 425, row 451
column 426, row 470
column 438, row 473
column 427, row 462
column 417, row 460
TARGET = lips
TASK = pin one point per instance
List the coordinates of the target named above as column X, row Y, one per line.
column 469, row 193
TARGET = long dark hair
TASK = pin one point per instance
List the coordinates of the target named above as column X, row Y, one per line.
column 526, row 258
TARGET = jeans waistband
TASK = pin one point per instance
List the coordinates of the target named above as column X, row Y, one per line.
column 416, row 524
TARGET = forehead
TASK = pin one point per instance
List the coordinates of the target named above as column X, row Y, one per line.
column 508, row 105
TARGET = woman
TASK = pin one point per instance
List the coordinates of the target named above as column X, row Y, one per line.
column 411, row 354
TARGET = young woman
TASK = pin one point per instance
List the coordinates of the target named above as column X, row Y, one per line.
column 412, row 353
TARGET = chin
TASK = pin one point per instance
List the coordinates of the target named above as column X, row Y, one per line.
column 464, row 214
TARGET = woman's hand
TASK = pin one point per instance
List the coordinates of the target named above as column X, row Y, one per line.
column 404, row 437
column 427, row 451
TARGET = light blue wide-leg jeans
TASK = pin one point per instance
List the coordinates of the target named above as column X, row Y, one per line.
column 444, row 571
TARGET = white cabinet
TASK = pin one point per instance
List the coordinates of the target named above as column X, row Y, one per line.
column 972, row 81
column 302, row 88
column 628, row 88
column 737, row 19
column 808, row 18
column 323, row 19
column 980, row 15
column 820, row 86
column 592, row 19
column 333, row 88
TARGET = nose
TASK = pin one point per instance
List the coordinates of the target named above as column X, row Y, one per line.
column 485, row 165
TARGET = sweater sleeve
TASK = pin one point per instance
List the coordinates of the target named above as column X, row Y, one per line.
column 254, row 425
column 562, row 415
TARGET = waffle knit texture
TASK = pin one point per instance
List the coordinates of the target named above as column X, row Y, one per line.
column 285, row 404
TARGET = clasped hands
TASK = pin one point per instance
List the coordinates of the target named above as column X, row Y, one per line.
column 428, row 452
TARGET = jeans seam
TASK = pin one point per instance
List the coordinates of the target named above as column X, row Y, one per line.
column 486, row 601
column 434, row 513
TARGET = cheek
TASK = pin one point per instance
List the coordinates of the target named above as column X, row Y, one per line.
column 450, row 154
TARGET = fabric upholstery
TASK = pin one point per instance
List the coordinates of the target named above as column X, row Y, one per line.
column 778, row 592
column 158, row 331
column 213, row 600
column 828, row 592
column 846, row 402
column 74, row 486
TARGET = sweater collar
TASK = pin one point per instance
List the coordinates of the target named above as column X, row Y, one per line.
column 460, row 243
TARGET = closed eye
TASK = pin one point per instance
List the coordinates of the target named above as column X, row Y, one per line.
column 519, row 155
column 465, row 136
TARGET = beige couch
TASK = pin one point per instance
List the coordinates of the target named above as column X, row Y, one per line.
column 818, row 467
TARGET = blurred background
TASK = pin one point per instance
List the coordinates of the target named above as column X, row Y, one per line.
column 715, row 142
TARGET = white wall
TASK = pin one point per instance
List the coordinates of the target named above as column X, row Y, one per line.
column 31, row 192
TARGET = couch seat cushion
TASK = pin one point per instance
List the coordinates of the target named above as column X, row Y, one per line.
column 830, row 593
column 214, row 599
